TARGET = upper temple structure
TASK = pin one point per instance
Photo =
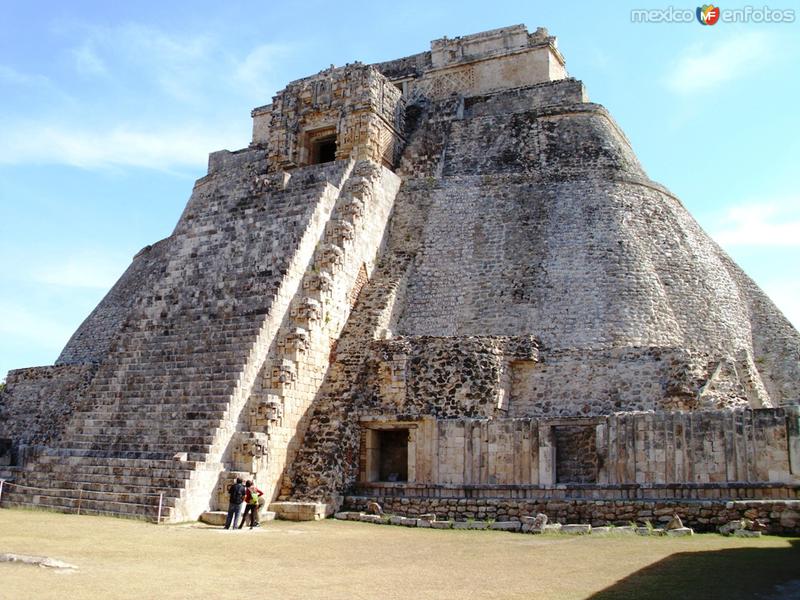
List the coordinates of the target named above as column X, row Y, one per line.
column 441, row 282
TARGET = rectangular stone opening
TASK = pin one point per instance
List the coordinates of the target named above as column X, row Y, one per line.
column 576, row 454
column 385, row 454
column 323, row 150
column 393, row 455
column 7, row 454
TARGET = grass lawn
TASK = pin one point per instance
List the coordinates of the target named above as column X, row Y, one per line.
column 333, row 559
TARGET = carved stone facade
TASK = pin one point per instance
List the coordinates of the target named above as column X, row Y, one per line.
column 355, row 108
column 443, row 282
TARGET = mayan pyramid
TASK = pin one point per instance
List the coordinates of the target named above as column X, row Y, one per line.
column 444, row 283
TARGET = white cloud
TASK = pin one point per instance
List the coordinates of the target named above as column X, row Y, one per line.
column 162, row 149
column 255, row 70
column 767, row 223
column 704, row 66
column 87, row 62
column 10, row 76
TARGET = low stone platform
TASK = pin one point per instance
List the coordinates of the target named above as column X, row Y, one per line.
column 217, row 517
column 511, row 526
column 780, row 516
column 300, row 511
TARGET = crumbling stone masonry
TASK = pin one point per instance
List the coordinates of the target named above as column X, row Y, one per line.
column 443, row 283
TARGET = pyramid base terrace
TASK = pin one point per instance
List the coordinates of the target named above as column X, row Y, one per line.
column 782, row 516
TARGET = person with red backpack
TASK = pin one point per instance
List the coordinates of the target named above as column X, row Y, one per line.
column 254, row 500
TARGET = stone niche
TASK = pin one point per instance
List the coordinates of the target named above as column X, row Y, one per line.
column 388, row 451
column 340, row 113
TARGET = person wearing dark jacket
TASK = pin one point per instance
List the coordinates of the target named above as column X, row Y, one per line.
column 236, row 493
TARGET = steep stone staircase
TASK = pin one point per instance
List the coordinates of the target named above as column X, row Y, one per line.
column 158, row 418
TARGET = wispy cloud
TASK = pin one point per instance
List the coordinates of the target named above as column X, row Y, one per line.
column 10, row 76
column 256, row 71
column 704, row 67
column 774, row 222
column 122, row 145
column 87, row 62
column 159, row 100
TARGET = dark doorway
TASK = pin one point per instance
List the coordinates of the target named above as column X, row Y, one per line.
column 393, row 452
column 576, row 454
column 324, row 150
column 7, row 454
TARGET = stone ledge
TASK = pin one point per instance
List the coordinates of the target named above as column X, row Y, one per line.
column 300, row 511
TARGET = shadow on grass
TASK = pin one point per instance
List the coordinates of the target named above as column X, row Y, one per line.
column 768, row 573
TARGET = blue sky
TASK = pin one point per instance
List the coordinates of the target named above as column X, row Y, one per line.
column 108, row 111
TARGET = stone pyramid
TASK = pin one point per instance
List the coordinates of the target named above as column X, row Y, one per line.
column 444, row 283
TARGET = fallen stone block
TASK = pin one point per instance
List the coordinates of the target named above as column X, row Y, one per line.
column 214, row 517
column 601, row 530
column 343, row 516
column 625, row 530
column 552, row 528
column 428, row 517
column 371, row 519
column 746, row 533
column 373, row 508
column 576, row 529
column 441, row 524
column 731, row 527
column 506, row 526
column 659, row 532
column 675, row 523
column 39, row 561
column 424, row 523
column 299, row 511
column 683, row 531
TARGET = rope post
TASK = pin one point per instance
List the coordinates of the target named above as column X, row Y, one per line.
column 80, row 499
column 160, row 504
column 2, row 481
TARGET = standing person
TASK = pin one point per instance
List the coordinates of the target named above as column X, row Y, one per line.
column 236, row 494
column 254, row 500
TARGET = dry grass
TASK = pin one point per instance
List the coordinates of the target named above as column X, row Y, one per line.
column 129, row 559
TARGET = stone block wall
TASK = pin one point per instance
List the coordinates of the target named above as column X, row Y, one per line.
column 781, row 516
column 37, row 402
column 92, row 341
column 718, row 447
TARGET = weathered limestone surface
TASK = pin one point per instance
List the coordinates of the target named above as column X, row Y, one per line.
column 448, row 270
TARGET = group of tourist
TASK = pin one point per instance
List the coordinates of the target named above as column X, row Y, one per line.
column 251, row 497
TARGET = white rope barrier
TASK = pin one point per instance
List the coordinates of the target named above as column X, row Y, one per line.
column 7, row 485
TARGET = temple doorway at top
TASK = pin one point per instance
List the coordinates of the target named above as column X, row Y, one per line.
column 323, row 150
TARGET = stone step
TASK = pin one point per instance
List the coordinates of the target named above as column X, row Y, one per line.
column 133, row 455
column 88, row 506
column 132, row 448
column 100, row 474
column 112, row 426
column 177, row 436
column 65, row 484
